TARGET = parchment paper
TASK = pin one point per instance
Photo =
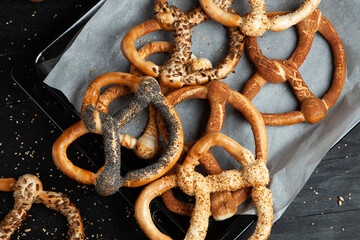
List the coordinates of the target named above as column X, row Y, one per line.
column 294, row 151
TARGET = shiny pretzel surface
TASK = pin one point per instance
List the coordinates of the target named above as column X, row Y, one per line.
column 313, row 109
column 256, row 22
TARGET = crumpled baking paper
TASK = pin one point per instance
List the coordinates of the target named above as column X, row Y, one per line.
column 294, row 151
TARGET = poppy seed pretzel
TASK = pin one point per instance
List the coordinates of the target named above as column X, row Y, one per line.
column 312, row 109
column 256, row 22
column 224, row 204
column 254, row 174
column 173, row 73
column 146, row 146
column 108, row 179
column 28, row 190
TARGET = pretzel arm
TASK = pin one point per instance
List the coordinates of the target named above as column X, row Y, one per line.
column 244, row 105
column 142, row 205
column 12, row 222
column 108, row 178
column 147, row 145
column 282, row 22
column 253, row 86
column 7, row 184
column 220, row 15
column 339, row 75
column 62, row 204
column 129, row 50
column 281, row 119
column 92, row 92
column 262, row 199
column 61, row 160
column 148, row 49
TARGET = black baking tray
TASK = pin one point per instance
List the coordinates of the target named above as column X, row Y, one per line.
column 30, row 76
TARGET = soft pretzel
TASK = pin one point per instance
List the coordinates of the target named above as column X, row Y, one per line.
column 175, row 73
column 254, row 174
column 313, row 109
column 224, row 205
column 256, row 22
column 146, row 146
column 108, row 179
column 195, row 64
column 28, row 190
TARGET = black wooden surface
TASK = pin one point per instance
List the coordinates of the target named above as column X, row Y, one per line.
column 27, row 135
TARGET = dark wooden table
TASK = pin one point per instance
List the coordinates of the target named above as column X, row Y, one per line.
column 27, row 135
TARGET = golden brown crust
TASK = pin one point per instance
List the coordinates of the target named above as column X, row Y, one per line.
column 218, row 93
column 28, row 190
column 256, row 22
column 254, row 174
column 174, row 72
column 313, row 109
column 7, row 184
column 129, row 50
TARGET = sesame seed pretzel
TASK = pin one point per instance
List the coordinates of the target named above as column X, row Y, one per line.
column 254, row 174
column 256, row 22
column 224, row 204
column 28, row 190
column 195, row 63
column 108, row 179
column 313, row 109
column 175, row 72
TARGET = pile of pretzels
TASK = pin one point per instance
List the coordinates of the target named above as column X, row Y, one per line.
column 217, row 192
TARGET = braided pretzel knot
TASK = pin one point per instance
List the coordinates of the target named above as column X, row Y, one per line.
column 224, row 204
column 254, row 174
column 28, row 190
column 108, row 179
column 256, row 22
column 179, row 69
column 313, row 109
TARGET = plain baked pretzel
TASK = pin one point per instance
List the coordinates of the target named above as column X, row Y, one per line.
column 312, row 109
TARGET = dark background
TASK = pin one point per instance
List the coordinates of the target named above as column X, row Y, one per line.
column 27, row 135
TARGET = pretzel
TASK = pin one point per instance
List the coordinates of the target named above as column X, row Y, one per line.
column 256, row 22
column 224, row 205
column 254, row 174
column 28, row 190
column 146, row 146
column 313, row 109
column 195, row 63
column 108, row 179
column 175, row 72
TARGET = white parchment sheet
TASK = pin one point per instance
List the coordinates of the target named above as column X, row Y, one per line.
column 294, row 151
